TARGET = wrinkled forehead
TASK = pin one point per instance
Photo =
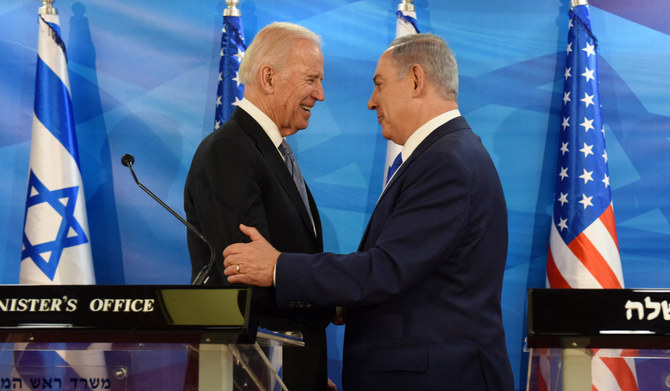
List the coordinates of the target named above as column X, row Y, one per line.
column 305, row 47
column 386, row 65
column 305, row 54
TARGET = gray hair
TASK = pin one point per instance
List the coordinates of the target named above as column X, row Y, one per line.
column 433, row 55
column 272, row 46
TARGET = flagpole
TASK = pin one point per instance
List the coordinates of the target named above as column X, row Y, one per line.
column 574, row 3
column 232, row 9
column 47, row 8
column 406, row 6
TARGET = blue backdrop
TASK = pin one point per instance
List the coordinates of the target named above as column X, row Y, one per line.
column 143, row 77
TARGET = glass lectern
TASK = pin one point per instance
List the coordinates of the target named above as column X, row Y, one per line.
column 130, row 337
column 575, row 335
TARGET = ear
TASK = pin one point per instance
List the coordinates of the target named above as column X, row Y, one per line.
column 418, row 78
column 268, row 79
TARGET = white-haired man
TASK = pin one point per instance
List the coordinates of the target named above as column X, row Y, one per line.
column 244, row 172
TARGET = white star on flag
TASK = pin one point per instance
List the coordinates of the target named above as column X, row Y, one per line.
column 587, row 176
column 239, row 55
column 566, row 122
column 588, row 74
column 564, row 148
column 566, row 97
column 587, row 99
column 589, row 49
column 587, row 124
column 606, row 181
column 586, row 201
column 236, row 79
column 587, row 150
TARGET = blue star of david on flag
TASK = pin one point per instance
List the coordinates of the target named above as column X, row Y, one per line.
column 68, row 232
column 230, row 90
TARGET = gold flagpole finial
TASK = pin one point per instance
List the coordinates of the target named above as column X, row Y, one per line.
column 406, row 6
column 232, row 9
column 574, row 3
column 47, row 8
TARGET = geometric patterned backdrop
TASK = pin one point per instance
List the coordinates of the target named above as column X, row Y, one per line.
column 143, row 79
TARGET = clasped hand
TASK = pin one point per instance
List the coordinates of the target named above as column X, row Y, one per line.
column 250, row 263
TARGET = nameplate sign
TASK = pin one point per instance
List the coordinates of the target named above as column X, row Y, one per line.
column 632, row 318
column 140, row 308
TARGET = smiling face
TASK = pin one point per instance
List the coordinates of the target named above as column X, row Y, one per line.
column 297, row 88
column 391, row 99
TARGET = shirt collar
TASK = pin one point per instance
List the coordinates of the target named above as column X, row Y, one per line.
column 263, row 120
column 425, row 130
column 419, row 135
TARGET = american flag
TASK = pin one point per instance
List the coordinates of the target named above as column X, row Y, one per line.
column 230, row 90
column 405, row 25
column 583, row 248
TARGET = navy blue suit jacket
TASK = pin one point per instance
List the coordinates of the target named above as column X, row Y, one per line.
column 423, row 291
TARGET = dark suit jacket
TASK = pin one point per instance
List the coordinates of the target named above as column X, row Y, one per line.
column 423, row 291
column 238, row 176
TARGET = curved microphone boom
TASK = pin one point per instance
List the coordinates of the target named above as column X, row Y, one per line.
column 203, row 275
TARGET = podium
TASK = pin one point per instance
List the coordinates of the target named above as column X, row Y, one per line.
column 569, row 328
column 132, row 337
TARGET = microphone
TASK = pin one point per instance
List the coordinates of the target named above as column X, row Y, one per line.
column 203, row 275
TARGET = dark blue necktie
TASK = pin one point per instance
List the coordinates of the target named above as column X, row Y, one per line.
column 394, row 166
column 293, row 168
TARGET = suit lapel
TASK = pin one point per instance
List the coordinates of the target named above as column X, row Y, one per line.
column 277, row 165
column 451, row 126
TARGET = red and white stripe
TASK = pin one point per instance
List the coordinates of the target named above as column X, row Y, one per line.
column 612, row 372
column 591, row 260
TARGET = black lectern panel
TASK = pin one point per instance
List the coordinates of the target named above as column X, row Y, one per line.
column 127, row 313
column 599, row 318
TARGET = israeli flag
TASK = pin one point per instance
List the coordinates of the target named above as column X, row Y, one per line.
column 56, row 247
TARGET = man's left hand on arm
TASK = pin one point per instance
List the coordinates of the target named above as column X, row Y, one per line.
column 250, row 263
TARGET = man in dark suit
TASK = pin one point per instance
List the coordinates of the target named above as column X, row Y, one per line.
column 422, row 294
column 240, row 174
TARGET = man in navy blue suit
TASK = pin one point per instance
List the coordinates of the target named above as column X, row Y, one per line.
column 422, row 294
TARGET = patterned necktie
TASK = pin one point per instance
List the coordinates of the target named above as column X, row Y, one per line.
column 294, row 170
column 394, row 166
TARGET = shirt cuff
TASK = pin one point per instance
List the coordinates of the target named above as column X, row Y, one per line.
column 274, row 275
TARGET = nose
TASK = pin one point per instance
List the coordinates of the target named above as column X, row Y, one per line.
column 318, row 93
column 372, row 102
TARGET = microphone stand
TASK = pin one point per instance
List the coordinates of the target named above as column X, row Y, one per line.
column 203, row 275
